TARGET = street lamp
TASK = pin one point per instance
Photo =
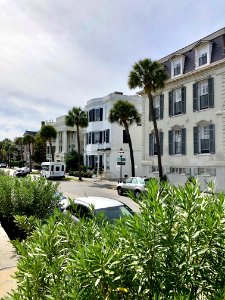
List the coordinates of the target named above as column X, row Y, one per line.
column 121, row 153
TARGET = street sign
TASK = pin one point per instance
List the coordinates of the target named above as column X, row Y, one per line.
column 120, row 163
column 121, row 159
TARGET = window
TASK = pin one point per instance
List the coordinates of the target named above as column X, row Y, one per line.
column 106, row 135
column 205, row 171
column 158, row 104
column 153, row 145
column 97, row 137
column 203, row 94
column 95, row 114
column 177, row 141
column 204, row 139
column 177, row 66
column 203, row 55
column 177, row 102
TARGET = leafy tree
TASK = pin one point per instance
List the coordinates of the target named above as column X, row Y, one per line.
column 19, row 142
column 77, row 117
column 47, row 133
column 7, row 149
column 39, row 154
column 72, row 161
column 29, row 140
column 151, row 76
column 125, row 114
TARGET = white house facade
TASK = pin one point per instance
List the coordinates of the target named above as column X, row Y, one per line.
column 66, row 140
column 105, row 142
column 191, row 115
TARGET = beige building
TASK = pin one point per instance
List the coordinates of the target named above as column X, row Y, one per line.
column 66, row 140
column 191, row 115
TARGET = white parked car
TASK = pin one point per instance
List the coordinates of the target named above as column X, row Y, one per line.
column 85, row 207
column 135, row 184
column 25, row 169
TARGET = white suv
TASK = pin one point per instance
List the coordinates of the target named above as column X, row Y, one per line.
column 135, row 184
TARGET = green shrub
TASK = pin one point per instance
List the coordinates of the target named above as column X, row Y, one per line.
column 173, row 249
column 25, row 197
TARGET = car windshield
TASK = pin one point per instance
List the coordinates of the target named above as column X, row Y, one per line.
column 45, row 167
column 115, row 212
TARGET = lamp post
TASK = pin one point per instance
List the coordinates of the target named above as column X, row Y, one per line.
column 121, row 153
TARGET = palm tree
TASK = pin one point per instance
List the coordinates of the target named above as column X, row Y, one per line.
column 125, row 114
column 19, row 142
column 151, row 76
column 7, row 149
column 77, row 117
column 47, row 133
column 29, row 140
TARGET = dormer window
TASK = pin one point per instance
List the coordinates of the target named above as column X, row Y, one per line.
column 177, row 66
column 203, row 54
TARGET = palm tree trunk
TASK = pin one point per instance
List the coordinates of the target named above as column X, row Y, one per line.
column 131, row 150
column 51, row 147
column 156, row 136
column 79, row 154
column 29, row 146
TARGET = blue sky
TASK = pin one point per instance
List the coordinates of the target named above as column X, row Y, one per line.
column 58, row 54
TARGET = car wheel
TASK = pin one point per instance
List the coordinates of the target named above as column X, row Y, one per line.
column 137, row 193
column 120, row 191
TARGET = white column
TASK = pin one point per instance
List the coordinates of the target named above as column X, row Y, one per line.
column 64, row 141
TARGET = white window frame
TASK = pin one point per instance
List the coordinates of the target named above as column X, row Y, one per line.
column 203, row 91
column 177, row 98
column 175, row 62
column 200, row 51
column 204, row 135
column 177, row 138
column 156, row 105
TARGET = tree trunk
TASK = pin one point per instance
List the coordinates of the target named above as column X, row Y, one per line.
column 131, row 150
column 51, row 147
column 29, row 146
column 79, row 154
column 156, row 136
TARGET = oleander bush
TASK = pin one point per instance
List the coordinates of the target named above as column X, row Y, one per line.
column 173, row 249
column 22, row 200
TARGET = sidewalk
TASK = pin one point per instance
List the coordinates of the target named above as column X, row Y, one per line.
column 8, row 261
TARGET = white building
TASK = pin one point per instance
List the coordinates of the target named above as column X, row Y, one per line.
column 191, row 115
column 103, row 140
column 66, row 140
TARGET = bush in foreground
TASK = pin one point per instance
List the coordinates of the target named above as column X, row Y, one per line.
column 173, row 249
column 23, row 200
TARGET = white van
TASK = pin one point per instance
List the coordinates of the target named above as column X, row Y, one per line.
column 53, row 169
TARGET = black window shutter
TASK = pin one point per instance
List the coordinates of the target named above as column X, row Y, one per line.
column 161, row 106
column 170, row 103
column 211, row 91
column 183, row 94
column 151, row 144
column 195, row 134
column 89, row 115
column 212, row 138
column 195, row 97
column 170, row 137
column 101, row 114
column 107, row 135
column 161, row 142
column 183, row 141
column 92, row 138
column 100, row 137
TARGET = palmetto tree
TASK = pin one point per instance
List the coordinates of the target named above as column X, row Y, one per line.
column 19, row 142
column 48, row 133
column 29, row 140
column 77, row 117
column 150, row 76
column 125, row 114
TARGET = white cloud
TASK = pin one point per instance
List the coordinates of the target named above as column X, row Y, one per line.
column 57, row 54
